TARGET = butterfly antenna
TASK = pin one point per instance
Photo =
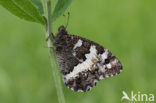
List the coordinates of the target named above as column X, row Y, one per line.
column 67, row 20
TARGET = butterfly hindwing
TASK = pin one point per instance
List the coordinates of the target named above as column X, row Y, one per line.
column 83, row 62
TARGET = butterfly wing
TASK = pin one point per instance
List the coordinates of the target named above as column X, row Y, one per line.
column 83, row 62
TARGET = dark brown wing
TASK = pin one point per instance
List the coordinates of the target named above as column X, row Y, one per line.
column 83, row 62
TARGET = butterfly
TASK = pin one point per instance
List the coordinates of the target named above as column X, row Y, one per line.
column 83, row 62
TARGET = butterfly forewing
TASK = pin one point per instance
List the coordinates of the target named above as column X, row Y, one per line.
column 83, row 62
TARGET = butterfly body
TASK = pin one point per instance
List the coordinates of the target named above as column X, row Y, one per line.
column 83, row 62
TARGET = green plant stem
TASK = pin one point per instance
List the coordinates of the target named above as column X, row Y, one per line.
column 53, row 59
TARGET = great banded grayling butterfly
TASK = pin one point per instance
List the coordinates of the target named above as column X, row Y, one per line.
column 83, row 62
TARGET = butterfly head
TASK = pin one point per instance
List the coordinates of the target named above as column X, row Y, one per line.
column 60, row 39
column 62, row 30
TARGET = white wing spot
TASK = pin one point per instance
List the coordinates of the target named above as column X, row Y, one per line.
column 79, row 90
column 74, row 53
column 78, row 44
column 101, row 67
column 112, row 75
column 88, row 88
column 101, row 77
column 86, row 65
column 72, row 89
column 114, row 61
column 120, row 70
column 81, row 60
column 109, row 66
column 104, row 55
column 95, row 81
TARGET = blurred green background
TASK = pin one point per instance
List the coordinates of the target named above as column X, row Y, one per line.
column 126, row 27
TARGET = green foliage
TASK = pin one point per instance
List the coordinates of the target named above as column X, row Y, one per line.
column 23, row 9
column 27, row 6
column 38, row 5
column 60, row 8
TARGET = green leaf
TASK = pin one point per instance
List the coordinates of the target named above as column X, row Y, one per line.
column 60, row 8
column 29, row 8
column 23, row 9
column 38, row 5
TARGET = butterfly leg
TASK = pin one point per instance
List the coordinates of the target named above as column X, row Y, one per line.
column 51, row 35
column 48, row 47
